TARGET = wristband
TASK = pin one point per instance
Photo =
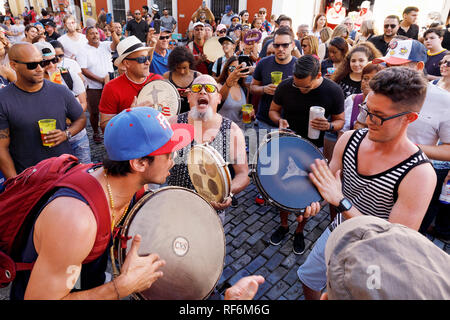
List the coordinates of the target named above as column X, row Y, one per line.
column 68, row 134
column 115, row 288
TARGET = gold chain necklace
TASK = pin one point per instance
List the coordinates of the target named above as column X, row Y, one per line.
column 111, row 201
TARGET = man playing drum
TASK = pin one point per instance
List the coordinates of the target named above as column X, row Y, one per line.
column 139, row 146
column 293, row 98
column 383, row 173
column 221, row 133
column 121, row 93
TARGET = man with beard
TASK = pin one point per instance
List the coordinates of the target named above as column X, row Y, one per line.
column 221, row 133
column 24, row 103
column 137, row 27
column 391, row 25
column 384, row 174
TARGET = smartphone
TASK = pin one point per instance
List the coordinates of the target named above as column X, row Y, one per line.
column 157, row 26
column 245, row 59
column 203, row 4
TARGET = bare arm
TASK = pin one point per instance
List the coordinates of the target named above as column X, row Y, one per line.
column 104, row 119
column 82, row 100
column 6, row 162
column 239, row 160
column 275, row 115
column 90, row 75
column 256, row 87
column 439, row 152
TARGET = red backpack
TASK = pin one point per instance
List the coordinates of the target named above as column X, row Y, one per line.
column 26, row 193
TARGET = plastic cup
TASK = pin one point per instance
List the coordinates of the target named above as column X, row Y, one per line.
column 246, row 113
column 45, row 126
column 315, row 112
column 276, row 77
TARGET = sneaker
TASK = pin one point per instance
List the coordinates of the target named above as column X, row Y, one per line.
column 299, row 243
column 278, row 235
column 234, row 202
column 259, row 200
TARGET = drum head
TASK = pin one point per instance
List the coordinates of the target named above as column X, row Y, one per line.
column 185, row 231
column 162, row 95
column 282, row 171
column 209, row 173
column 213, row 49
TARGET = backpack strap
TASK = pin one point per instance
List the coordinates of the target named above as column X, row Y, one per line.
column 87, row 186
column 65, row 74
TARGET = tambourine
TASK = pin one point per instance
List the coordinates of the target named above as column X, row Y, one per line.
column 252, row 36
column 162, row 96
column 280, row 171
column 213, row 49
column 209, row 173
column 185, row 231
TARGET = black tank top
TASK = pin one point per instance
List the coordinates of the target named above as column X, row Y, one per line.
column 184, row 101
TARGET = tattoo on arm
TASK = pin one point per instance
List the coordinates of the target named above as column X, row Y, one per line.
column 4, row 134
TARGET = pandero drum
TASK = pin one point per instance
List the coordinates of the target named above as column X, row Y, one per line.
column 280, row 171
column 184, row 230
column 162, row 96
column 213, row 49
column 209, row 173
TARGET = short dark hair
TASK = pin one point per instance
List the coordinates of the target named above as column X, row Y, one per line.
column 408, row 10
column 120, row 168
column 179, row 55
column 406, row 87
column 306, row 66
column 283, row 18
column 438, row 32
column 340, row 44
column 145, row 8
column 393, row 16
column 284, row 31
column 56, row 44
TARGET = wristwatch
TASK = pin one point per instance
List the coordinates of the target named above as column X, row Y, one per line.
column 331, row 127
column 344, row 205
column 68, row 134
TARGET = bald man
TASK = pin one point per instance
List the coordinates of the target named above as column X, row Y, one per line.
column 25, row 102
column 221, row 133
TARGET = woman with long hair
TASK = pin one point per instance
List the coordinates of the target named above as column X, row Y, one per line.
column 367, row 31
column 181, row 62
column 7, row 74
column 320, row 22
column 30, row 33
column 349, row 73
column 245, row 18
column 310, row 45
column 444, row 81
column 234, row 90
column 337, row 49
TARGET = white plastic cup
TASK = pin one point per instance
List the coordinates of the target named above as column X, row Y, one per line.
column 315, row 112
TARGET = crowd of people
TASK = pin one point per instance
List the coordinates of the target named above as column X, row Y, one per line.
column 385, row 131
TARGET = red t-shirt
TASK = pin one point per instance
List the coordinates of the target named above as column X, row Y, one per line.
column 119, row 93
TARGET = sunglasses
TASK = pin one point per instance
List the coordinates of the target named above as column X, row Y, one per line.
column 262, row 12
column 143, row 59
column 392, row 26
column 172, row 43
column 305, row 45
column 59, row 56
column 34, row 65
column 277, row 45
column 446, row 63
column 164, row 37
column 209, row 88
column 222, row 31
column 377, row 120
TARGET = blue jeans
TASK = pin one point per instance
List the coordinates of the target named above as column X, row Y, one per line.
column 80, row 146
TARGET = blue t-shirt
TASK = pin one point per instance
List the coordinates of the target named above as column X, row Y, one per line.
column 262, row 73
column 159, row 63
column 20, row 112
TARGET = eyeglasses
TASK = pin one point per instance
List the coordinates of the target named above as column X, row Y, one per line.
column 59, row 56
column 304, row 88
column 143, row 59
column 164, row 37
column 209, row 88
column 34, row 65
column 377, row 120
column 305, row 45
column 392, row 26
column 277, row 45
column 446, row 63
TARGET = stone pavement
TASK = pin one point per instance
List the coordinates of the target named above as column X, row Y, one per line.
column 248, row 228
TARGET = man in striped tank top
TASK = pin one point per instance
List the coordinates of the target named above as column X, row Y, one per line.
column 383, row 173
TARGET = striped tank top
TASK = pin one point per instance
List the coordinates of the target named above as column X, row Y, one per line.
column 373, row 195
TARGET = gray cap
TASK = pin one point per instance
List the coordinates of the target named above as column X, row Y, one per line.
column 45, row 48
column 369, row 258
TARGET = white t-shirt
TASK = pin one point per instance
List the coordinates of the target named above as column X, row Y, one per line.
column 17, row 28
column 96, row 60
column 433, row 124
column 71, row 47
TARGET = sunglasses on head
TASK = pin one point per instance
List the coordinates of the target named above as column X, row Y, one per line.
column 392, row 26
column 164, row 37
column 446, row 63
column 143, row 59
column 209, row 88
column 277, row 45
column 34, row 65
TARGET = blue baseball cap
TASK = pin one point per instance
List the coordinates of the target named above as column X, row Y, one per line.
column 404, row 51
column 227, row 8
column 143, row 131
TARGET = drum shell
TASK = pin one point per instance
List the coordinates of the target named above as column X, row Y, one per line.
column 194, row 274
column 256, row 178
